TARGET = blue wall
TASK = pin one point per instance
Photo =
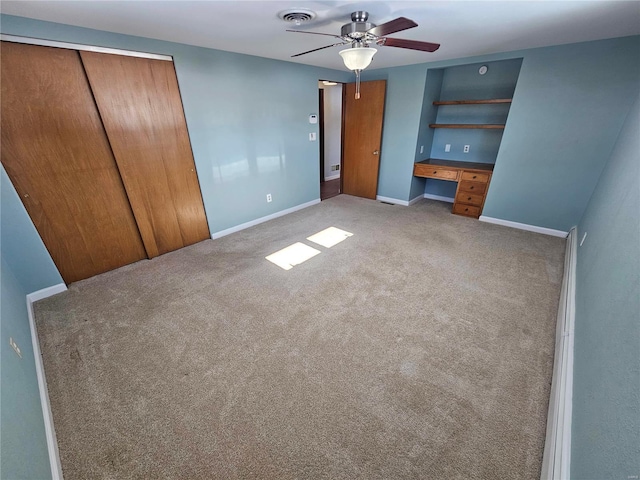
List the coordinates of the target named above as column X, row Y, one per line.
column 22, row 247
column 432, row 88
column 568, row 107
column 247, row 118
column 26, row 267
column 23, row 450
column 606, row 390
column 403, row 108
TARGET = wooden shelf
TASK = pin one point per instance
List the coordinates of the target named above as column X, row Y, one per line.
column 466, row 125
column 474, row 102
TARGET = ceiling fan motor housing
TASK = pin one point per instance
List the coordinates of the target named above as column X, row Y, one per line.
column 358, row 27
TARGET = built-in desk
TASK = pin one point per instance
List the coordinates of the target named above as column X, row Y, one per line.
column 473, row 182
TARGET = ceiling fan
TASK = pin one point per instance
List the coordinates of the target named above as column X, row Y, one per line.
column 361, row 33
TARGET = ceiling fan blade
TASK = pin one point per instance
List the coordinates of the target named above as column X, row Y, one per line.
column 396, row 25
column 316, row 49
column 410, row 44
column 315, row 33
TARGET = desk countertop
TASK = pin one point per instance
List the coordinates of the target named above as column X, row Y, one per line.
column 457, row 164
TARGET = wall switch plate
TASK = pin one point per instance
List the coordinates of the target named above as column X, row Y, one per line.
column 269, row 197
column 312, row 137
column 466, row 149
column 447, row 147
column 15, row 347
column 584, row 237
column 421, row 148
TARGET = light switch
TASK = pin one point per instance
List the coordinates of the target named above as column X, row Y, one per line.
column 312, row 137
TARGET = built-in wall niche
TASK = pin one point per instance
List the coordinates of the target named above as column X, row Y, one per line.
column 463, row 83
column 471, row 108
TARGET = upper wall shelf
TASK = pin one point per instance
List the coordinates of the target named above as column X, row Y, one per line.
column 465, row 125
column 474, row 102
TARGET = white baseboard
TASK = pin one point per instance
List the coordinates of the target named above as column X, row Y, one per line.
column 332, row 177
column 524, row 226
column 257, row 221
column 415, row 200
column 46, row 292
column 438, row 197
column 395, row 201
column 556, row 459
column 52, row 444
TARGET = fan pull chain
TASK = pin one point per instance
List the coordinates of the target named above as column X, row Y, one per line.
column 357, row 84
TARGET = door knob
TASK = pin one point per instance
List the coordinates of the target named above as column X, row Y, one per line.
column 376, row 152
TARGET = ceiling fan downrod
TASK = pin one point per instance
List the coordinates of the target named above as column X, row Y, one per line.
column 360, row 16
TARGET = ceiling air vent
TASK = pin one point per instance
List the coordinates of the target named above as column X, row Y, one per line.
column 297, row 15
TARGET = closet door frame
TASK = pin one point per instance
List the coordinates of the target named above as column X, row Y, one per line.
column 57, row 156
column 88, row 48
column 151, row 252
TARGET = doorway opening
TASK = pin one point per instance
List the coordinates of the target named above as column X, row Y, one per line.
column 330, row 137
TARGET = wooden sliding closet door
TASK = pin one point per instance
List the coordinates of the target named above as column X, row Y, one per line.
column 141, row 109
column 56, row 153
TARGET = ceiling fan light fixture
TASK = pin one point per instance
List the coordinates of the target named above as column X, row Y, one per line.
column 357, row 58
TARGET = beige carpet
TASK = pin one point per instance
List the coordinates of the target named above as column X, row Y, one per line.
column 420, row 347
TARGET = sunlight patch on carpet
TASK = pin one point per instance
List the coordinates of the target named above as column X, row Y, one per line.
column 293, row 255
column 329, row 237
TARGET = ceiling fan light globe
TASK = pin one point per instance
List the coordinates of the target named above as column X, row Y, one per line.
column 357, row 58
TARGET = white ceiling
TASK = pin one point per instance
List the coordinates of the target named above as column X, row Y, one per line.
column 464, row 28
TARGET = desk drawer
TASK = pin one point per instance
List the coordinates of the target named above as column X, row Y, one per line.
column 434, row 171
column 475, row 177
column 469, row 198
column 468, row 210
column 472, row 187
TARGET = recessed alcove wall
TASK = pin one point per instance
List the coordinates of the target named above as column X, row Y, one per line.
column 464, row 82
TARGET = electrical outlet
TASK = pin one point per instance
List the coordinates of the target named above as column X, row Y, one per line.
column 421, row 148
column 269, row 198
column 15, row 347
column 447, row 147
column 466, row 149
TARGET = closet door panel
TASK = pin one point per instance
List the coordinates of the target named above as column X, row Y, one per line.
column 141, row 108
column 57, row 155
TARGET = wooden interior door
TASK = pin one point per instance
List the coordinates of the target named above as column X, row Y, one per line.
column 362, row 137
column 56, row 153
column 141, row 108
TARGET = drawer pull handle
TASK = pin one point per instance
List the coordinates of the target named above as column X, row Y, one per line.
column 466, row 209
column 469, row 198
column 475, row 176
column 435, row 171
column 471, row 188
